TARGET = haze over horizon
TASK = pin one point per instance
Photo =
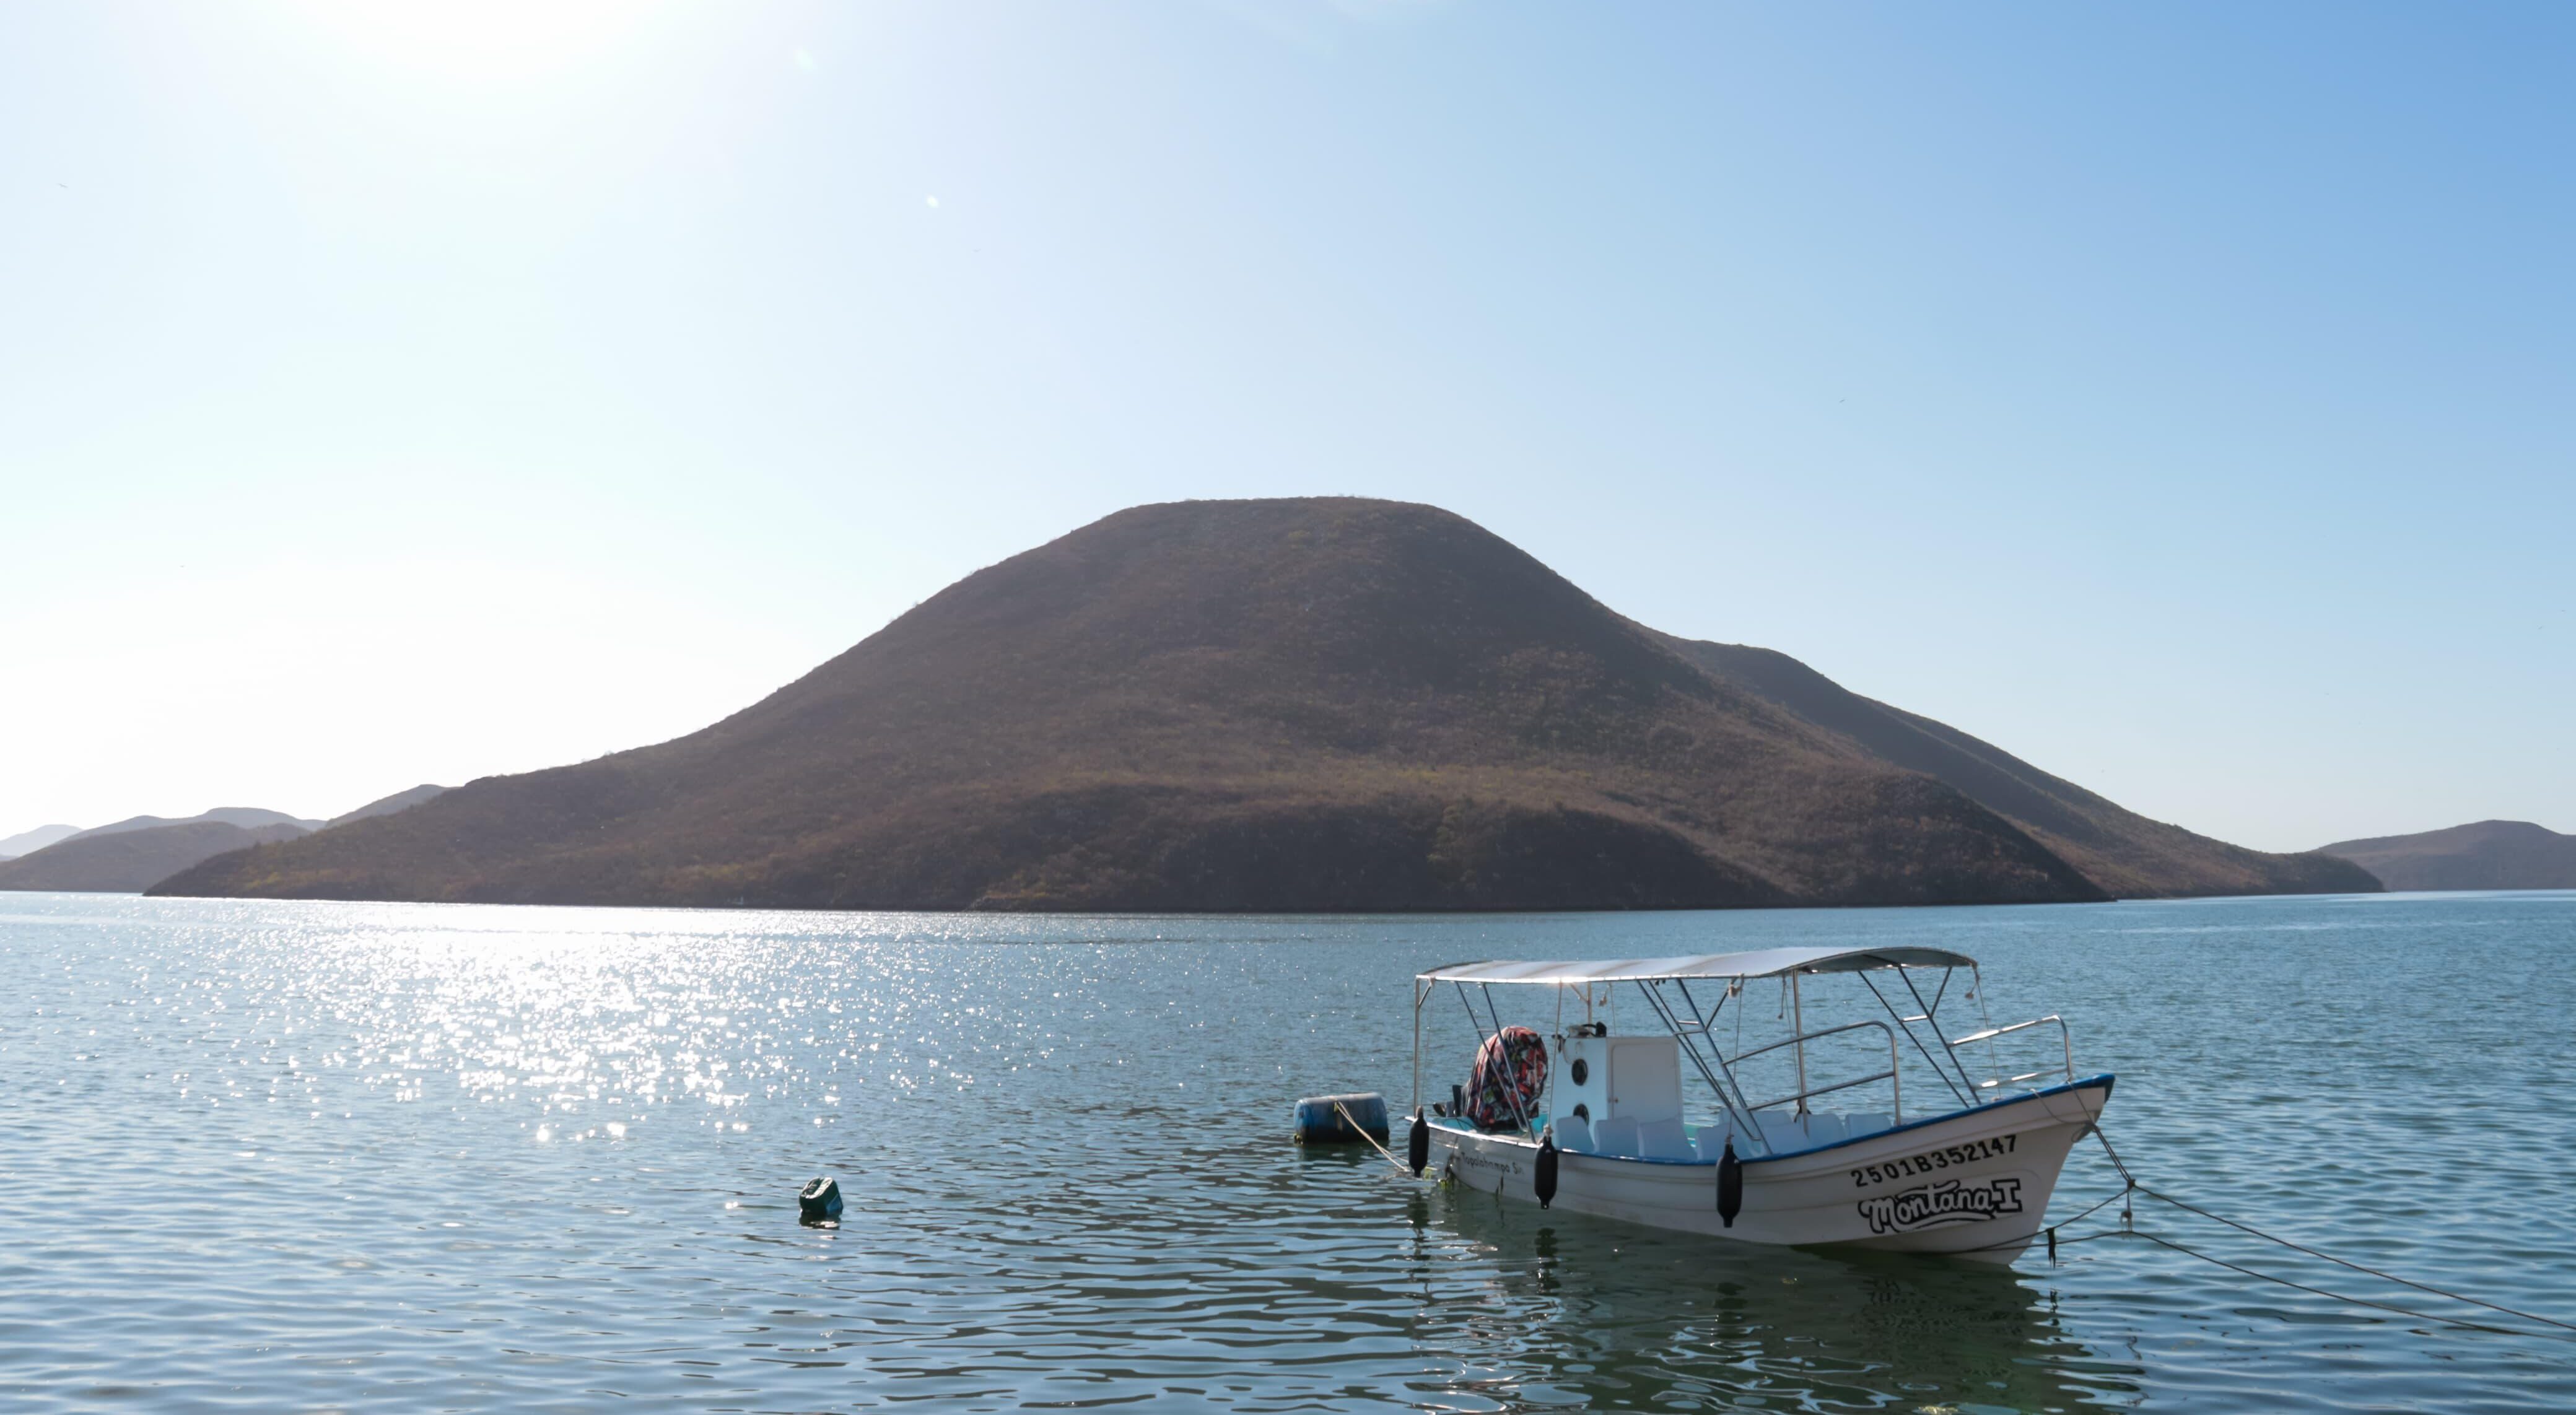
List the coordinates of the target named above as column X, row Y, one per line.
column 2172, row 398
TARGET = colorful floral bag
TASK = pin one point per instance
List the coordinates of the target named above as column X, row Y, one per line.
column 1510, row 1072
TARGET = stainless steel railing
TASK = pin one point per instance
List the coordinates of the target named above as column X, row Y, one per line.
column 1997, row 1080
column 1896, row 1083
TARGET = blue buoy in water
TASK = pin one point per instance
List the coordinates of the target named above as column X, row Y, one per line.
column 1320, row 1119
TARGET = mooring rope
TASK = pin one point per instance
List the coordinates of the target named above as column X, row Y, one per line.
column 1363, row 1133
column 2130, row 1185
column 2047, row 1234
column 2343, row 1297
column 2358, row 1267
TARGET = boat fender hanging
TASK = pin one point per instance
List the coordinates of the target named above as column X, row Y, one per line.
column 1730, row 1186
column 1546, row 1176
column 819, row 1201
column 1417, row 1144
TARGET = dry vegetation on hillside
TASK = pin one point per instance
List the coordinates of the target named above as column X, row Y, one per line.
column 1326, row 704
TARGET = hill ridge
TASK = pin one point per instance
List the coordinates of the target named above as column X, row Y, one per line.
column 247, row 817
column 2125, row 853
column 2487, row 854
column 1312, row 704
column 132, row 860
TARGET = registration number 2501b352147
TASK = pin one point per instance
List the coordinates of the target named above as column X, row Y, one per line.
column 1932, row 1161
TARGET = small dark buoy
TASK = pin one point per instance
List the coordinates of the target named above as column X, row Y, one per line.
column 1730, row 1186
column 1417, row 1144
column 819, row 1200
column 1546, row 1177
column 2052, row 1243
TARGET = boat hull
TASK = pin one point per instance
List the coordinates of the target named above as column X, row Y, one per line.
column 1974, row 1183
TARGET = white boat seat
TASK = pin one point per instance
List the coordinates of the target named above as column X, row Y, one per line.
column 1780, row 1132
column 1574, row 1133
column 1864, row 1123
column 1711, row 1141
column 1616, row 1136
column 1824, row 1129
column 1664, row 1140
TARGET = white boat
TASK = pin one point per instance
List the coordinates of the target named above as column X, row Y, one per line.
column 1608, row 1129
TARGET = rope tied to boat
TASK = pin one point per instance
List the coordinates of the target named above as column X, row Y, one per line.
column 2129, row 1186
column 2348, row 1263
column 1347, row 1119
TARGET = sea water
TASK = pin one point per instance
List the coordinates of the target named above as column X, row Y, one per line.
column 306, row 1156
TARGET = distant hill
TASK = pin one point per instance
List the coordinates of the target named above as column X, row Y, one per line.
column 129, row 861
column 2485, row 855
column 1328, row 704
column 399, row 801
column 2124, row 853
column 247, row 817
column 27, row 841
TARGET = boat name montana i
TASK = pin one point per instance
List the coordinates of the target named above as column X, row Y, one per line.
column 1607, row 1129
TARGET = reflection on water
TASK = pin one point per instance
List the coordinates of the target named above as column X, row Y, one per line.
column 1595, row 1312
column 445, row 1157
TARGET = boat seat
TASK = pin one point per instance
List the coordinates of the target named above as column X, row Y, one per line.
column 1780, row 1132
column 1664, row 1140
column 1711, row 1140
column 1825, row 1129
column 1863, row 1123
column 1616, row 1136
column 1573, row 1133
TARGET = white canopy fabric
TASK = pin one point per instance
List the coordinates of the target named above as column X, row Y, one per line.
column 1760, row 963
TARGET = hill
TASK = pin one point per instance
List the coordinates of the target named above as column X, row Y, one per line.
column 1328, row 704
column 2123, row 852
column 2483, row 855
column 26, row 841
column 247, row 817
column 129, row 861
column 385, row 806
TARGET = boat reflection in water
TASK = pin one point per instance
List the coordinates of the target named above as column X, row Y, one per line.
column 1572, row 1309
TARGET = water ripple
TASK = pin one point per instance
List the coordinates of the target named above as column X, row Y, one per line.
column 458, row 1157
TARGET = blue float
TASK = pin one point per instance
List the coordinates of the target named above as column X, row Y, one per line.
column 1320, row 1119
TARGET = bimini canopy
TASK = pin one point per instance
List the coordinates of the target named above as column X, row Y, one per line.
column 1761, row 963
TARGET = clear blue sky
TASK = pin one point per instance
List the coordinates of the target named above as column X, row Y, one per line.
column 2178, row 396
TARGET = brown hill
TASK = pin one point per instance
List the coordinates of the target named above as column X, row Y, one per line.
column 2123, row 852
column 1331, row 704
column 247, row 817
column 2483, row 855
column 126, row 861
column 1325, row 704
column 387, row 805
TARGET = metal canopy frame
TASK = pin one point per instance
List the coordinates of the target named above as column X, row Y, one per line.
column 1693, row 1027
column 1757, row 963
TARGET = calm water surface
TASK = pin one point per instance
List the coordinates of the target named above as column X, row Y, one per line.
column 396, row 1158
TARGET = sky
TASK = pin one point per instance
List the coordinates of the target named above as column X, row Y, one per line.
column 2176, row 396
